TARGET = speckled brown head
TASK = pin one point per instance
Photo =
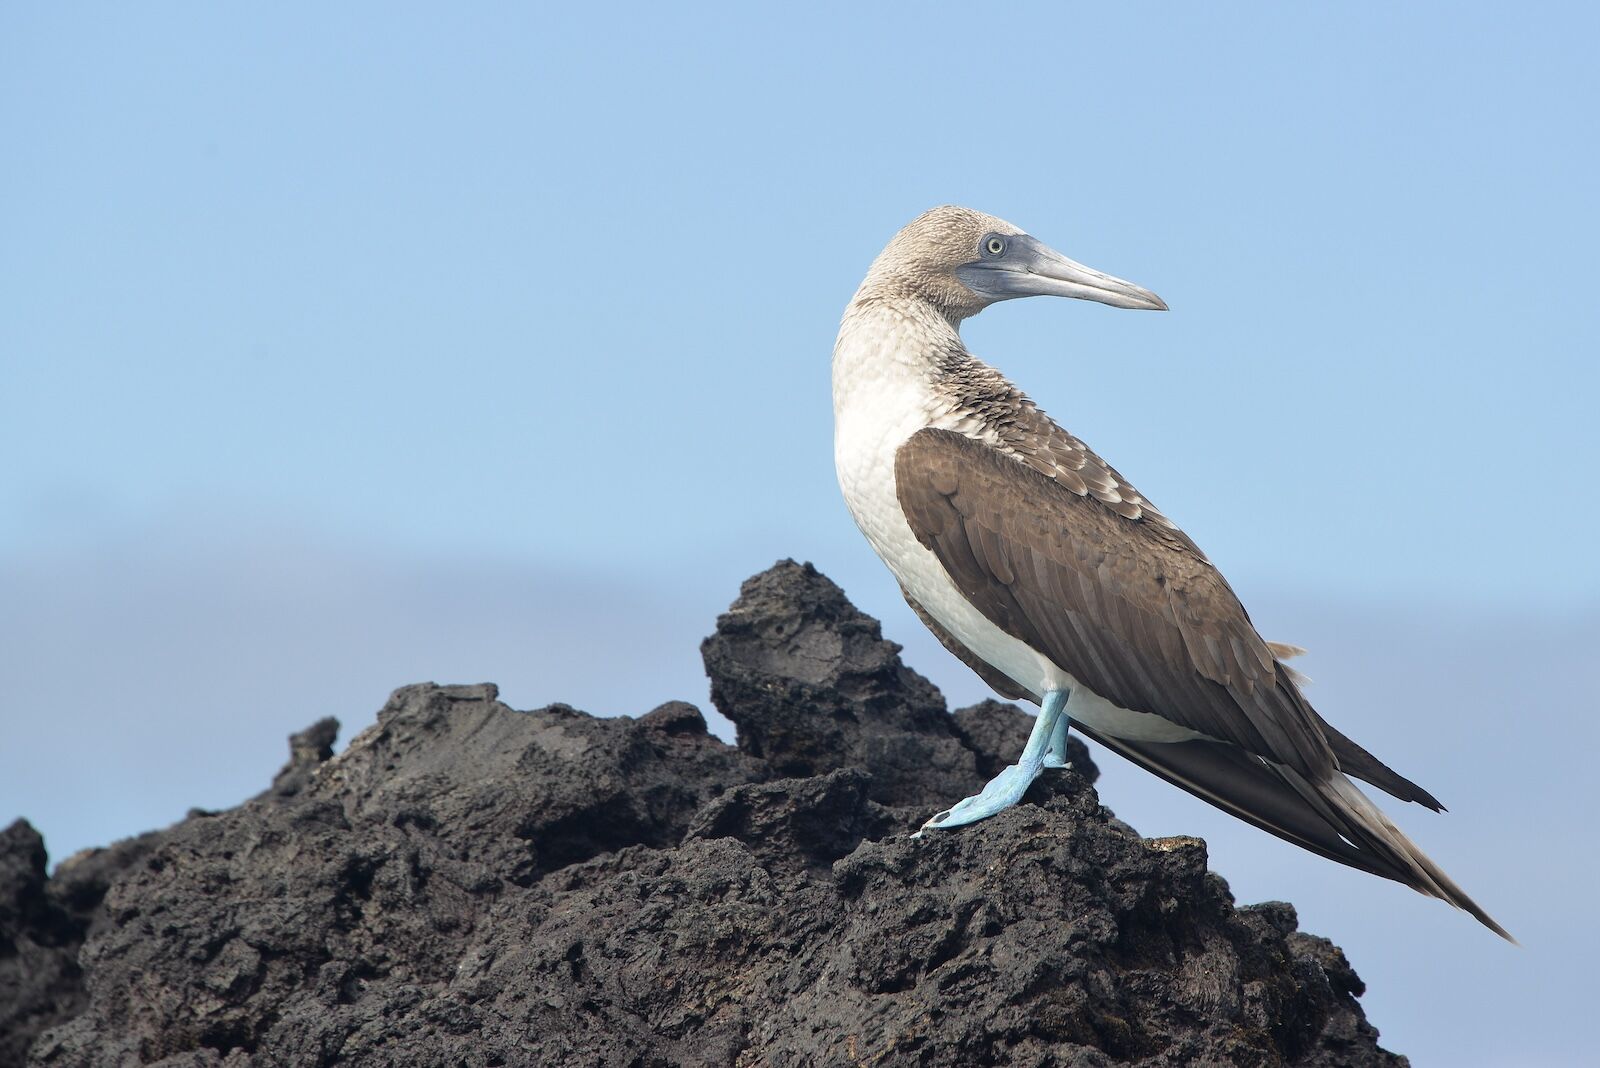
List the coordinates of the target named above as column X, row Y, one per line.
column 961, row 261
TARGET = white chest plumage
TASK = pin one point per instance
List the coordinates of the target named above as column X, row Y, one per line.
column 884, row 391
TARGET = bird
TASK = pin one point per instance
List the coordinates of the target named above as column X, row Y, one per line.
column 1042, row 568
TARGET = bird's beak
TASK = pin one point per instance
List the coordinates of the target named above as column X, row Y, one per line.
column 1060, row 277
column 1030, row 268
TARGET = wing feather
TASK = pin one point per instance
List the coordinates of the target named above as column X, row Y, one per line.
column 1127, row 606
column 1132, row 609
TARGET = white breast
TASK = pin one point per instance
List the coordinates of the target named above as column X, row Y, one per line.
column 882, row 394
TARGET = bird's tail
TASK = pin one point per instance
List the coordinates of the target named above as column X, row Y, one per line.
column 1333, row 818
column 1376, row 832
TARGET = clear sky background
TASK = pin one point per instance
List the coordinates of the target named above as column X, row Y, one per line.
column 347, row 346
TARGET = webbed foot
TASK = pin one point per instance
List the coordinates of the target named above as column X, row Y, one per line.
column 1048, row 741
column 999, row 794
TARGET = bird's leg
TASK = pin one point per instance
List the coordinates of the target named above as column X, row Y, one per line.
column 1055, row 754
column 1007, row 788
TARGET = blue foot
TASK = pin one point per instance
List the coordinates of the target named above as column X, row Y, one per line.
column 1007, row 788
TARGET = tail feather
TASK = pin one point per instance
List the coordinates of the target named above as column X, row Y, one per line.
column 1354, row 760
column 1380, row 834
column 1333, row 819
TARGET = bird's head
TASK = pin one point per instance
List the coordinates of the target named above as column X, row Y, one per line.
column 962, row 261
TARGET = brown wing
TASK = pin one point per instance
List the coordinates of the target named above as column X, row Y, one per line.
column 1126, row 604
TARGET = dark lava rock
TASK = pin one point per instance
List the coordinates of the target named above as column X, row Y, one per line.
column 43, row 924
column 812, row 685
column 472, row 885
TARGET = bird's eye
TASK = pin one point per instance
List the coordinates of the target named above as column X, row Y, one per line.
column 995, row 246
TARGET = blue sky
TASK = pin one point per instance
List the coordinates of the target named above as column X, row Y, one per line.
column 344, row 348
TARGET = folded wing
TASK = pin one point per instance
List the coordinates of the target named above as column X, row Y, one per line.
column 1129, row 606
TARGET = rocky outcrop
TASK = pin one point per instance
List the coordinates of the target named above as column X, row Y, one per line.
column 472, row 885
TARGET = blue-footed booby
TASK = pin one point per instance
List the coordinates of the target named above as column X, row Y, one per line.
column 1041, row 567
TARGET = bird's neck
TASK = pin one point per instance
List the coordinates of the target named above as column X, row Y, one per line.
column 889, row 331
column 901, row 360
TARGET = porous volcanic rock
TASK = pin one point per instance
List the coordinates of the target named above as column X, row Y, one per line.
column 471, row 885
